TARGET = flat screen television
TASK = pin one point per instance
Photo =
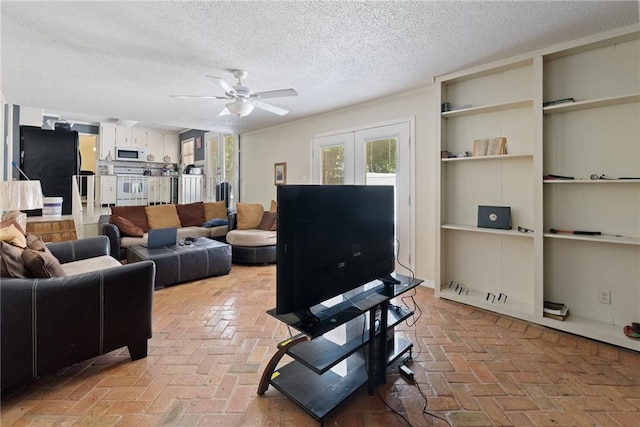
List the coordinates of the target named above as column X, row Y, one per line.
column 331, row 239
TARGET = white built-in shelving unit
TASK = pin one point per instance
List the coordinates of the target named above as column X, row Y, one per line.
column 597, row 134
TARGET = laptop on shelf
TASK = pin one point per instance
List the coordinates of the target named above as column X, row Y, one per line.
column 494, row 217
column 161, row 237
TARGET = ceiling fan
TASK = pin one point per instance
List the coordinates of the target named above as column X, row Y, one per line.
column 243, row 99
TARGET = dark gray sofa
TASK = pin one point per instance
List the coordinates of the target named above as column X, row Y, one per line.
column 47, row 324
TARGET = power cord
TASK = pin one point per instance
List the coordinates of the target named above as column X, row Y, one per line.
column 404, row 370
column 409, row 376
column 370, row 381
column 416, row 307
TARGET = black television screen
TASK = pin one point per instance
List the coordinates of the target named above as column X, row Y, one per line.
column 331, row 239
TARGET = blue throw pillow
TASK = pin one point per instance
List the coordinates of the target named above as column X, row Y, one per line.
column 215, row 222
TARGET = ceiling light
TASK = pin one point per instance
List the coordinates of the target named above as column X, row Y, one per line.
column 239, row 108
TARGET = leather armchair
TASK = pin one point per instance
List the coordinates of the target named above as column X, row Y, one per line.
column 47, row 324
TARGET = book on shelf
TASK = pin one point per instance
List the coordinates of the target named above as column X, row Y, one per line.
column 490, row 147
column 555, row 310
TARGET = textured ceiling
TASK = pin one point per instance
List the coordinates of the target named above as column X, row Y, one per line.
column 123, row 60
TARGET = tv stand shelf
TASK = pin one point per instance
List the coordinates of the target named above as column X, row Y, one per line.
column 328, row 365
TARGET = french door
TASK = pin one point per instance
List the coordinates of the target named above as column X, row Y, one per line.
column 221, row 162
column 373, row 156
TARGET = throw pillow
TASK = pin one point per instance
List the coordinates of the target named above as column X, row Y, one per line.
column 268, row 219
column 274, row 206
column 126, row 227
column 34, row 242
column 163, row 216
column 11, row 264
column 14, row 235
column 191, row 214
column 7, row 222
column 135, row 214
column 274, row 226
column 249, row 215
column 42, row 264
column 215, row 210
column 215, row 222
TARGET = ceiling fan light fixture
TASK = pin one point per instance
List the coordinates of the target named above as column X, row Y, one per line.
column 239, row 108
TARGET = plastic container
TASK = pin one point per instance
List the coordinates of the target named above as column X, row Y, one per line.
column 52, row 206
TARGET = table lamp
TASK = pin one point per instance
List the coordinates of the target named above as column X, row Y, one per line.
column 20, row 195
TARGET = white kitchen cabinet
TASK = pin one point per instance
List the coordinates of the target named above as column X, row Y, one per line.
column 139, row 138
column 108, row 190
column 191, row 189
column 171, row 143
column 160, row 189
column 107, row 141
column 155, row 145
column 123, row 136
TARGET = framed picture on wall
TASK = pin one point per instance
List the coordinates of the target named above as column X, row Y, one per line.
column 280, row 173
column 198, row 143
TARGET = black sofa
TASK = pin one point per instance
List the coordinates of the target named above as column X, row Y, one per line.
column 47, row 324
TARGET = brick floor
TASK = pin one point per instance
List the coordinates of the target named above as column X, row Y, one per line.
column 212, row 340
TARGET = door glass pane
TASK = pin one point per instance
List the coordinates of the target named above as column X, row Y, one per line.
column 231, row 174
column 213, row 159
column 380, row 168
column 229, row 157
column 381, row 161
column 332, row 169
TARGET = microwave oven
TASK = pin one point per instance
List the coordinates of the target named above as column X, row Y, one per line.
column 130, row 154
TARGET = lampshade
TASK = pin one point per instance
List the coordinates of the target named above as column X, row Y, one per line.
column 17, row 195
column 239, row 108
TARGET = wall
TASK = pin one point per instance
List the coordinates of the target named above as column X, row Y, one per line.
column 291, row 143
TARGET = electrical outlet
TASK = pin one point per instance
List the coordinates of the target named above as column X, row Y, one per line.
column 604, row 296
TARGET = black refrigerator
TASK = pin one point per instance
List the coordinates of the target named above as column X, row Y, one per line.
column 53, row 157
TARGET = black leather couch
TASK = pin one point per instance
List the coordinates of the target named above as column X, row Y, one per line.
column 47, row 324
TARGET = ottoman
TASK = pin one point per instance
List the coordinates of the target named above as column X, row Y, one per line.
column 183, row 263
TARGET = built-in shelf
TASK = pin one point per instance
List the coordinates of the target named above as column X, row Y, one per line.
column 591, row 103
column 481, row 158
column 510, row 307
column 471, row 228
column 600, row 135
column 491, row 108
column 600, row 239
column 591, row 181
column 602, row 331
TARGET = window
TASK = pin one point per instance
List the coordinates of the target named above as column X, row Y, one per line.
column 188, row 152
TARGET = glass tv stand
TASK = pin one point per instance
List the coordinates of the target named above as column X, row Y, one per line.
column 340, row 351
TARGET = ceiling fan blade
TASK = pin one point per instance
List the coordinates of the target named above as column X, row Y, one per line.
column 268, row 107
column 199, row 97
column 225, row 112
column 275, row 93
column 226, row 87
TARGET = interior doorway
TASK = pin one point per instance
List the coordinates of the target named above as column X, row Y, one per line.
column 88, row 146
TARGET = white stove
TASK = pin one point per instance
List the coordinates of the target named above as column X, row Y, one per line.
column 131, row 187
